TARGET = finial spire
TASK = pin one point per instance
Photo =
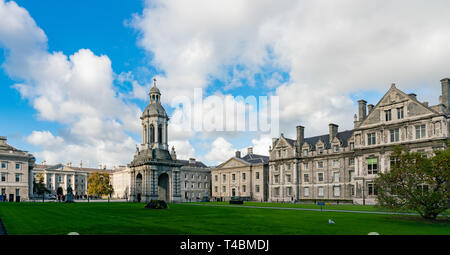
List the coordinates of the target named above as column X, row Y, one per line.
column 154, row 82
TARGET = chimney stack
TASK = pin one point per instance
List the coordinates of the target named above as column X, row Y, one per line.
column 300, row 135
column 333, row 130
column 445, row 93
column 250, row 150
column 2, row 140
column 370, row 107
column 362, row 109
column 191, row 161
column 238, row 154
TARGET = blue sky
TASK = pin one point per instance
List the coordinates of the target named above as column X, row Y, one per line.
column 317, row 68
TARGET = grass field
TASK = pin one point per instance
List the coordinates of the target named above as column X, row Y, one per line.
column 133, row 218
column 347, row 207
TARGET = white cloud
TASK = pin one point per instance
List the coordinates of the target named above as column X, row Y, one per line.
column 220, row 151
column 329, row 49
column 46, row 139
column 76, row 91
column 183, row 149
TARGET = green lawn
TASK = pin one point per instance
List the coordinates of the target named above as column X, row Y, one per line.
column 133, row 218
column 348, row 207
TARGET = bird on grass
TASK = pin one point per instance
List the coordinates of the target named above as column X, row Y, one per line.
column 331, row 222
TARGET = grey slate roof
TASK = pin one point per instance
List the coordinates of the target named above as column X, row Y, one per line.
column 198, row 164
column 256, row 159
column 343, row 136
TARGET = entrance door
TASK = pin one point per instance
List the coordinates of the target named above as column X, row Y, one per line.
column 163, row 187
column 138, row 187
column 233, row 192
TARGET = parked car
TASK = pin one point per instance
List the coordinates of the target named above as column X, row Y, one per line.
column 205, row 199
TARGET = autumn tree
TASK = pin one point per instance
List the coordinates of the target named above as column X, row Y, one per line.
column 39, row 186
column 99, row 184
column 416, row 181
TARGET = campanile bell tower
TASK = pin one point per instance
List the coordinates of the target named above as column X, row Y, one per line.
column 154, row 122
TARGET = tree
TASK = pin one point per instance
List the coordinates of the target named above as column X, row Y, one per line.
column 39, row 187
column 416, row 182
column 99, row 184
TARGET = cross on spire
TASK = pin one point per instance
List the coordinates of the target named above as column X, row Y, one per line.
column 154, row 82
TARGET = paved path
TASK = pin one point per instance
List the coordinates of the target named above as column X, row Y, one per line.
column 309, row 209
column 80, row 200
column 2, row 228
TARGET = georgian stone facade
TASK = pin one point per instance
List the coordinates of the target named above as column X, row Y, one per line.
column 195, row 180
column 342, row 165
column 245, row 177
column 65, row 176
column 15, row 170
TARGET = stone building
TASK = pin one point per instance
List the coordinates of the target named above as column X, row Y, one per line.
column 60, row 176
column 155, row 173
column 245, row 177
column 121, row 181
column 195, row 180
column 15, row 169
column 341, row 166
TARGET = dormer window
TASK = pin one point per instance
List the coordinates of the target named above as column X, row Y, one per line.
column 335, row 148
column 352, row 146
column 320, row 150
column 305, row 152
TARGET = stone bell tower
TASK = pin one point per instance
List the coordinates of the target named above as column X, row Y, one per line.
column 154, row 122
column 154, row 173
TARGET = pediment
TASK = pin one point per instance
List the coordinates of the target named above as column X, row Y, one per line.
column 336, row 141
column 282, row 143
column 306, row 145
column 233, row 162
column 394, row 96
column 320, row 143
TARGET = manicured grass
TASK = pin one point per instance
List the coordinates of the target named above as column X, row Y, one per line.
column 133, row 218
column 348, row 207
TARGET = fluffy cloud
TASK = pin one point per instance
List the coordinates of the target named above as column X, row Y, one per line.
column 76, row 91
column 183, row 148
column 329, row 49
column 220, row 151
column 46, row 139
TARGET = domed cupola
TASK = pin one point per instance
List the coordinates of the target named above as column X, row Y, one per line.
column 154, row 122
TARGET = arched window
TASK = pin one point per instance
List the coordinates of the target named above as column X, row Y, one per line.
column 152, row 133
column 145, row 134
column 159, row 133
